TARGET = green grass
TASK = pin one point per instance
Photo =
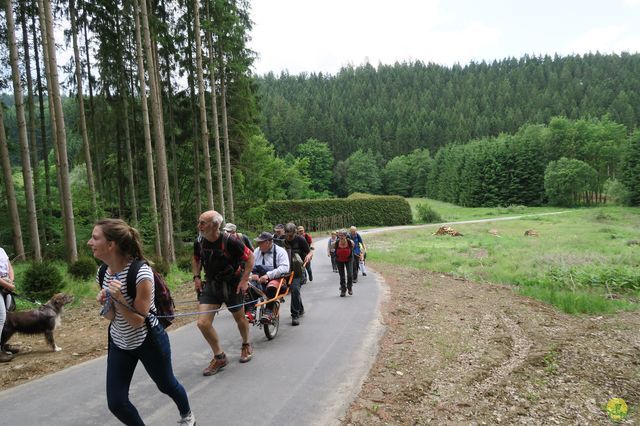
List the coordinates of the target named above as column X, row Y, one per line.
column 581, row 261
column 453, row 213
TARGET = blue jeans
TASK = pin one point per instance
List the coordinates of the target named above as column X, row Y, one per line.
column 155, row 355
column 297, row 308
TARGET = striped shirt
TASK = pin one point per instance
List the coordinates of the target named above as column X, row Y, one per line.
column 122, row 333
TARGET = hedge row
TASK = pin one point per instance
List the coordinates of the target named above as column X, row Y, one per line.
column 331, row 213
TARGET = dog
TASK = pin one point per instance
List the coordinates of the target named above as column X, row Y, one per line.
column 44, row 320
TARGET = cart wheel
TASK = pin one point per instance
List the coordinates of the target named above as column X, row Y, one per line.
column 270, row 330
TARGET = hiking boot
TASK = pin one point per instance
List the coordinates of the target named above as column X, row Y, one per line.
column 350, row 292
column 216, row 364
column 267, row 317
column 188, row 420
column 5, row 357
column 295, row 321
column 246, row 352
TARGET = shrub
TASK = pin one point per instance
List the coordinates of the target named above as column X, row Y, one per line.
column 427, row 214
column 332, row 213
column 161, row 266
column 184, row 262
column 54, row 251
column 42, row 280
column 83, row 268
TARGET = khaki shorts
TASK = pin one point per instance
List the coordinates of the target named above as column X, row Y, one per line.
column 219, row 293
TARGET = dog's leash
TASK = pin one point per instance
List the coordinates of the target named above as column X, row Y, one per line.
column 19, row 296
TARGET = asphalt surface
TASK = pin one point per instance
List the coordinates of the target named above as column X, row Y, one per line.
column 307, row 375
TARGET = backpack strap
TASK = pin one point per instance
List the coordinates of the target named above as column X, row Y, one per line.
column 132, row 274
column 101, row 273
column 275, row 264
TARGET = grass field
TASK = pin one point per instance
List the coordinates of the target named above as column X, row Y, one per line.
column 584, row 260
column 453, row 213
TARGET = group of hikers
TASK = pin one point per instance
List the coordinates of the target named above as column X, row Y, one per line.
column 230, row 267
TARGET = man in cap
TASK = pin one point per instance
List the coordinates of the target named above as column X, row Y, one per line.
column 271, row 263
column 298, row 246
column 227, row 264
column 231, row 229
column 307, row 237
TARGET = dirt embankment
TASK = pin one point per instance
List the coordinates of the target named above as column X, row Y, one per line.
column 459, row 352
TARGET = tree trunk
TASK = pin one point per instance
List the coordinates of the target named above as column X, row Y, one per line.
column 153, row 208
column 34, row 233
column 214, row 116
column 225, row 134
column 204, row 131
column 124, row 108
column 196, row 127
column 174, row 154
column 83, row 122
column 61, row 138
column 92, row 109
column 31, row 108
column 43, row 131
column 12, row 201
column 158, row 132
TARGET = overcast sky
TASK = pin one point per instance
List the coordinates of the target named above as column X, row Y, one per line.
column 313, row 36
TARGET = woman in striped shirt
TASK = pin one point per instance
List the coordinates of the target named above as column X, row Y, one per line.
column 135, row 333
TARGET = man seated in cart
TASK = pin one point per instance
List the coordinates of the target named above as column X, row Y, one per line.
column 271, row 263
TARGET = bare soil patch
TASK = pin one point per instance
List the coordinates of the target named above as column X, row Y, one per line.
column 82, row 337
column 460, row 352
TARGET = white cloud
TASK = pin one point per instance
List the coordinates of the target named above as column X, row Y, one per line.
column 322, row 36
column 607, row 39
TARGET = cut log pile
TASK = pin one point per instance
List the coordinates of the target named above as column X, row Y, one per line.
column 447, row 230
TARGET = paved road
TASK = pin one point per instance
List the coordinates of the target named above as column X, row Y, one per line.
column 307, row 375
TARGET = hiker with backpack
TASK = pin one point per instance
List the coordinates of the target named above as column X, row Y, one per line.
column 231, row 229
column 344, row 258
column 227, row 263
column 358, row 253
column 299, row 254
column 307, row 237
column 135, row 333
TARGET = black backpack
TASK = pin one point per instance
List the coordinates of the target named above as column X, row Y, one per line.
column 165, row 306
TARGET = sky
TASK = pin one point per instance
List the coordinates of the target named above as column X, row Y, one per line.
column 323, row 36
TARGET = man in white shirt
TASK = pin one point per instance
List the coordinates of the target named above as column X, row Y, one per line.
column 271, row 263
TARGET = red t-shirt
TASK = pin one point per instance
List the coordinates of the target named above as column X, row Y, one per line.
column 343, row 254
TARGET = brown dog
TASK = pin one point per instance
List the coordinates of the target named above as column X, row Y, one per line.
column 44, row 320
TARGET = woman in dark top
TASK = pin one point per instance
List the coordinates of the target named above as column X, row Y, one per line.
column 344, row 257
